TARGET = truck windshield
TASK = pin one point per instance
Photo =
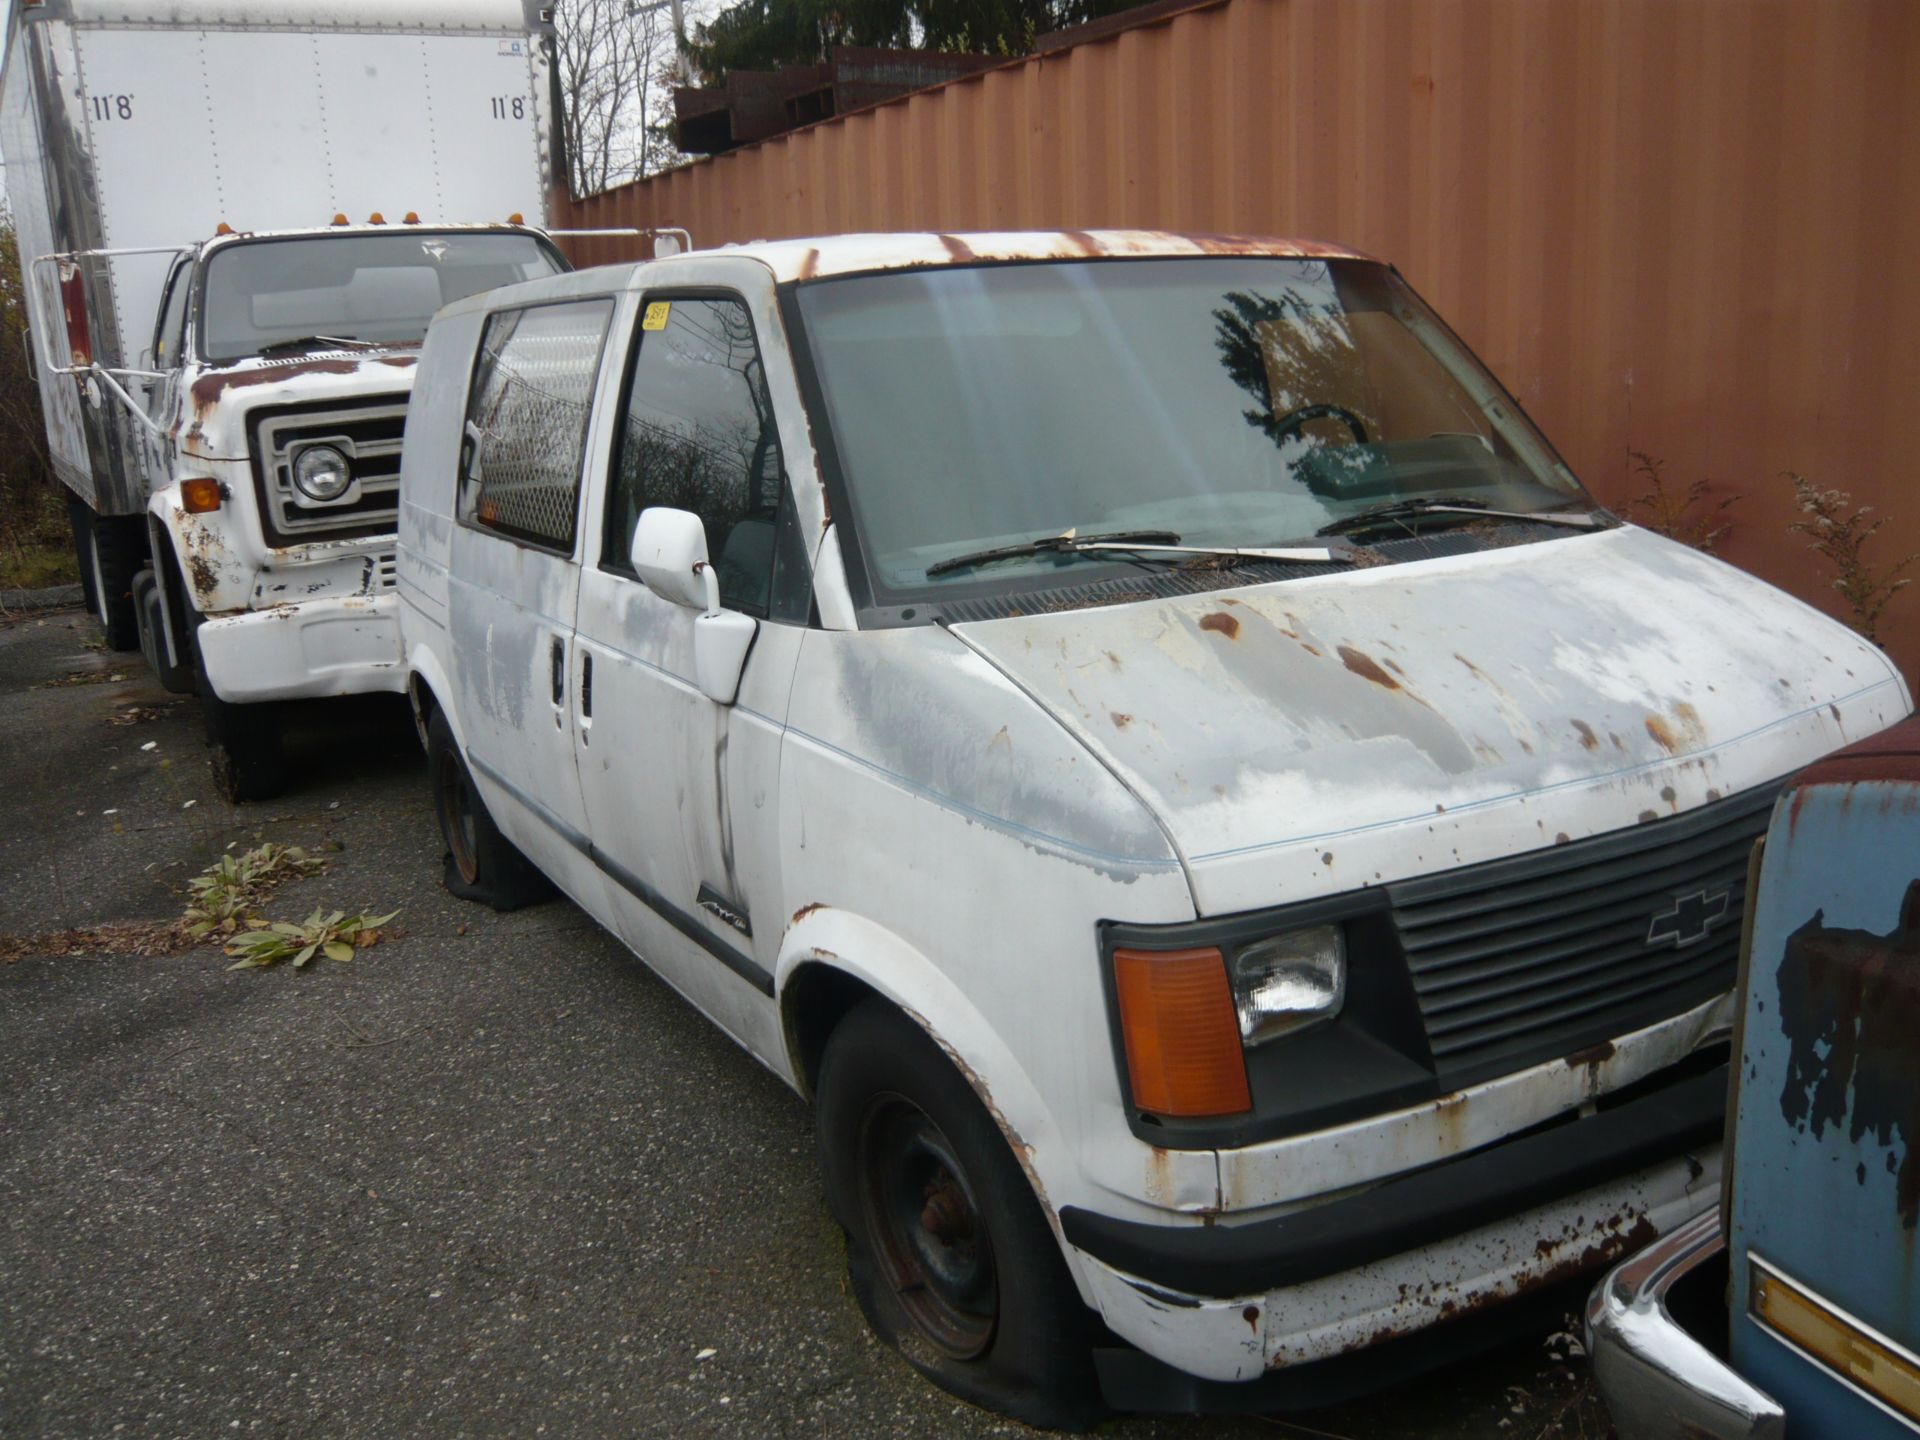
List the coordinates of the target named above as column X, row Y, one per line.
column 376, row 288
column 1230, row 401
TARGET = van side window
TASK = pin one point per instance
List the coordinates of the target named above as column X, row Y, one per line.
column 697, row 433
column 527, row 413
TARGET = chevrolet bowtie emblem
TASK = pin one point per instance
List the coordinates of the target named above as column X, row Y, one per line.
column 1690, row 918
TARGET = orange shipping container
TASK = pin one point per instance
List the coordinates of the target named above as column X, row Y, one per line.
column 1680, row 227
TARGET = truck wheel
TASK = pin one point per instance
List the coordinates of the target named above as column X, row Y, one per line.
column 111, row 550
column 949, row 1254
column 243, row 749
column 481, row 863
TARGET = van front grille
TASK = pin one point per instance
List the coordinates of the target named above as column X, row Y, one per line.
column 367, row 433
column 1523, row 960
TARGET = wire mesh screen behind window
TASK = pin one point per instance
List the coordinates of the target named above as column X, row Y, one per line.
column 527, row 419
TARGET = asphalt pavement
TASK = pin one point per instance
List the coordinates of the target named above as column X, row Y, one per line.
column 488, row 1178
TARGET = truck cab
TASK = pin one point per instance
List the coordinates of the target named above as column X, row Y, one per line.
column 271, row 407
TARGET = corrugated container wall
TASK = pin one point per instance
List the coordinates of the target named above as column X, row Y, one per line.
column 1687, row 228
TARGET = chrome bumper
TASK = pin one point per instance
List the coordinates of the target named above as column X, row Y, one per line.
column 1658, row 1381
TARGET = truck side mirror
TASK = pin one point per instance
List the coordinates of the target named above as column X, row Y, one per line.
column 669, row 555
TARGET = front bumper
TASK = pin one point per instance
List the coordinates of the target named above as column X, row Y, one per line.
column 305, row 650
column 1659, row 1382
column 1239, row 1338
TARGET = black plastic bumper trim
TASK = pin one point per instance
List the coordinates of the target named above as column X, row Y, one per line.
column 1454, row 1196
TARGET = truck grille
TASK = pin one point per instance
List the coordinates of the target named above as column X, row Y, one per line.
column 1522, row 960
column 368, row 434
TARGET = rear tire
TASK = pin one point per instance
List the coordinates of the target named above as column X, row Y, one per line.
column 481, row 864
column 111, row 550
column 948, row 1252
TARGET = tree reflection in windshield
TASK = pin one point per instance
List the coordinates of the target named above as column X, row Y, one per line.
column 1296, row 351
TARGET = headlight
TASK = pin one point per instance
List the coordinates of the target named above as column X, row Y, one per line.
column 1288, row 982
column 322, row 473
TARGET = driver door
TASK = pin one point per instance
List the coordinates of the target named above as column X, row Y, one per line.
column 680, row 789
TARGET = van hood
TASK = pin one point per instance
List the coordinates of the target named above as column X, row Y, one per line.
column 1313, row 736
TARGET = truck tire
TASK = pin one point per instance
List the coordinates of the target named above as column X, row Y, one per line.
column 111, row 550
column 243, row 748
column 481, row 864
column 949, row 1254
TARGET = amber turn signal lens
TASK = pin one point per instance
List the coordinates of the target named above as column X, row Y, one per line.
column 200, row 495
column 1182, row 1037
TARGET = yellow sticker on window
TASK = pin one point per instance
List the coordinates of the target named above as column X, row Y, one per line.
column 656, row 316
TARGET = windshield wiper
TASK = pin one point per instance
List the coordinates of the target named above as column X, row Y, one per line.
column 307, row 342
column 1398, row 510
column 1143, row 543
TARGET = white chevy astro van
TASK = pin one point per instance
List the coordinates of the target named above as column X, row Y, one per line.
column 1243, row 855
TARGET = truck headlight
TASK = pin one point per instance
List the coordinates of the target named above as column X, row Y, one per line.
column 1288, row 982
column 322, row 473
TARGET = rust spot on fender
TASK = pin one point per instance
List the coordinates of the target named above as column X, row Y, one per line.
column 1662, row 734
column 202, row 576
column 1121, row 719
column 1221, row 624
column 806, row 910
column 1364, row 665
column 1588, row 740
column 1252, row 1316
column 1849, row 1006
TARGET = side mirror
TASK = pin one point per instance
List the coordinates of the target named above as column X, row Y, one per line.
column 670, row 557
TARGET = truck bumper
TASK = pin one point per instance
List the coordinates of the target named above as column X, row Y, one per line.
column 1660, row 1382
column 304, row 651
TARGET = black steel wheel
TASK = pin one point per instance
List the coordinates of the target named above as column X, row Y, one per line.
column 926, row 1230
column 948, row 1250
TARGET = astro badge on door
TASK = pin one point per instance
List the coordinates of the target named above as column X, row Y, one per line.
column 656, row 316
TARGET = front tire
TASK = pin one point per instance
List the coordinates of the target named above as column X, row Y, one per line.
column 949, row 1254
column 244, row 750
column 481, row 863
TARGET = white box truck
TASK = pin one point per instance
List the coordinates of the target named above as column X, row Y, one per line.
column 235, row 220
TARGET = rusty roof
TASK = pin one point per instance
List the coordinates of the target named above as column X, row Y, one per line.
column 815, row 258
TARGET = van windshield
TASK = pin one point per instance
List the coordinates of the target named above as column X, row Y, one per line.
column 358, row 287
column 1231, row 401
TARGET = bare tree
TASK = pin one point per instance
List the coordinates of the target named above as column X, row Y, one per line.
column 615, row 60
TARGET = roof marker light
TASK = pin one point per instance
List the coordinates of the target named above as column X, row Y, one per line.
column 412, row 218
column 376, row 218
column 341, row 220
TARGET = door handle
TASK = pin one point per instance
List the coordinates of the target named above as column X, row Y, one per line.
column 586, row 684
column 559, row 670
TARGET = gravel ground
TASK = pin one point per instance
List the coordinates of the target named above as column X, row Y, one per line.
column 489, row 1178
